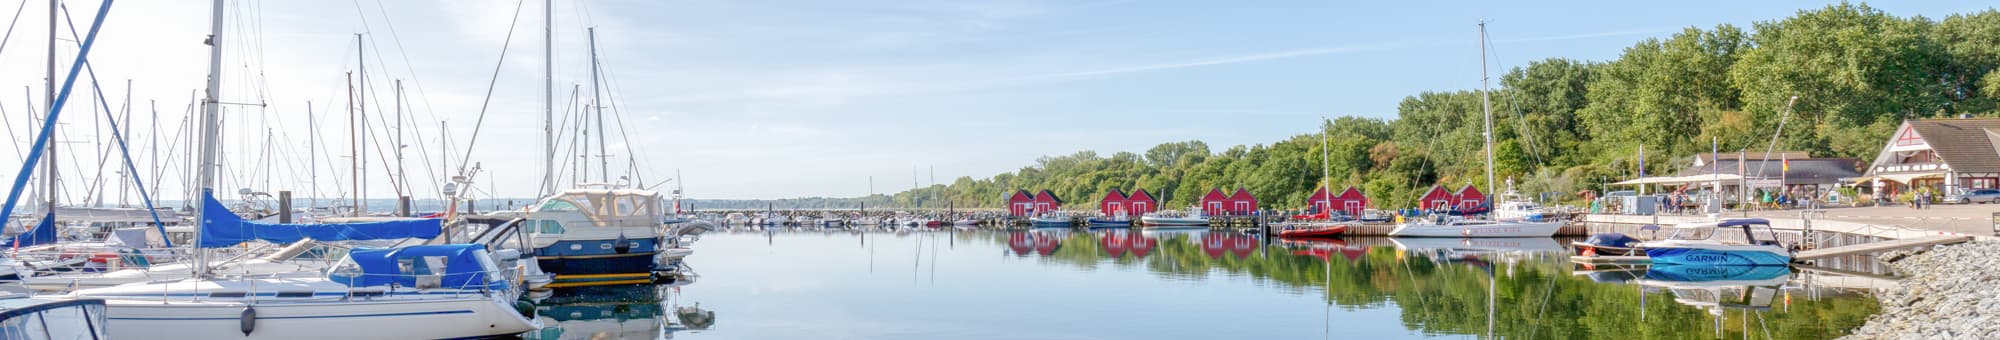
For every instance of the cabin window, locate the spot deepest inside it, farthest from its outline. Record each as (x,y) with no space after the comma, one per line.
(295,294)
(420,265)
(546,227)
(559,206)
(226,295)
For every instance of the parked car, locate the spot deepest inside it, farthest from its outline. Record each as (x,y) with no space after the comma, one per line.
(1976,196)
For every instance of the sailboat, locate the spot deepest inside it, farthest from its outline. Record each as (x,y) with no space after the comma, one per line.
(1445,226)
(427,291)
(1324,226)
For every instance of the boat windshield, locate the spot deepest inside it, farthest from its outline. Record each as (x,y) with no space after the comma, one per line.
(1693,233)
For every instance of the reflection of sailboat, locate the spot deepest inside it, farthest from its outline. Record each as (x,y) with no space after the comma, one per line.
(1532,244)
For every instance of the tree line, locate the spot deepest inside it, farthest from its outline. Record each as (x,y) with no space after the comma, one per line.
(1563,125)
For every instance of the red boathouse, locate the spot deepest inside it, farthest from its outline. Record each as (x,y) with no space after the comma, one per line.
(1113,203)
(1470,199)
(1140,202)
(1046,201)
(1019,202)
(1214,202)
(1242,203)
(1436,199)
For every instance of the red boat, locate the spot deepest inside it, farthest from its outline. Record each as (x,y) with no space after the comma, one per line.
(1314,231)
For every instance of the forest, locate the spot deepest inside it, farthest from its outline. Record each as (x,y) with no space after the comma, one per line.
(1562,126)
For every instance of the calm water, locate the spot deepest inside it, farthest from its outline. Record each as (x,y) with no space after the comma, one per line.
(1118,284)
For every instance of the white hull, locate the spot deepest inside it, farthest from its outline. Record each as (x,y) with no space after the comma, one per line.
(433,318)
(1173,222)
(1477,229)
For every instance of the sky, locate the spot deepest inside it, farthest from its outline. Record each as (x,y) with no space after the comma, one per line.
(767,99)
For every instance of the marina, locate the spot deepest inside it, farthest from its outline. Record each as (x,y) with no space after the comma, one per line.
(1757,174)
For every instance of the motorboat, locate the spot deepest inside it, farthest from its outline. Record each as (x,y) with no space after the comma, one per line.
(597,236)
(1376,216)
(1192,217)
(965,222)
(1450,226)
(1313,230)
(1715,244)
(1110,221)
(1607,244)
(1516,207)
(1050,221)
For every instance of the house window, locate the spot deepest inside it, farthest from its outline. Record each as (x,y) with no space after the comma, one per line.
(1982,183)
(1242,206)
(1925,156)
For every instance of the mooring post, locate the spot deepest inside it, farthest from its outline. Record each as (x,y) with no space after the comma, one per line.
(285,206)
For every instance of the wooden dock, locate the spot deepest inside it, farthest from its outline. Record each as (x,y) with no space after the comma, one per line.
(1874,247)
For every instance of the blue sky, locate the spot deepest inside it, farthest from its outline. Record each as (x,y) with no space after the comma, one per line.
(767,99)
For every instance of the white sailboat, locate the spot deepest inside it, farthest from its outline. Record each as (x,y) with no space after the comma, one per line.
(428,291)
(1445,226)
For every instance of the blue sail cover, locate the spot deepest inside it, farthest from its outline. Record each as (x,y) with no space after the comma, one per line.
(44,233)
(222,228)
(401,266)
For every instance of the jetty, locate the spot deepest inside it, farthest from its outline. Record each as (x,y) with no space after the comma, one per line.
(1875,247)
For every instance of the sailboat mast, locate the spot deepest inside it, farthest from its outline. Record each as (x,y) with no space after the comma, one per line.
(1486,105)
(548,97)
(361,107)
(353,150)
(597,104)
(1325,175)
(211,124)
(402,180)
(52,190)
(312,156)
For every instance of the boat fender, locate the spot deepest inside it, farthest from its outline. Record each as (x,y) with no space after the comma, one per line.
(622,246)
(249,320)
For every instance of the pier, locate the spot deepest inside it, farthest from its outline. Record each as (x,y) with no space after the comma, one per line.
(1886,245)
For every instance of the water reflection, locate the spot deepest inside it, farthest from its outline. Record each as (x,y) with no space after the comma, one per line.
(620,312)
(1149,284)
(1449,286)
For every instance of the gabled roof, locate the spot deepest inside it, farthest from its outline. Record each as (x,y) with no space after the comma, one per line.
(1214,193)
(1470,189)
(1115,194)
(1136,193)
(1049,194)
(1967,145)
(1436,189)
(1019,193)
(1242,194)
(1351,190)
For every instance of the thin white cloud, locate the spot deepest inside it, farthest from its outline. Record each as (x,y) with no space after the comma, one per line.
(1256,57)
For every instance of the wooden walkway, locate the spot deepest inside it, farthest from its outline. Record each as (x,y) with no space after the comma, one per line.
(1874,247)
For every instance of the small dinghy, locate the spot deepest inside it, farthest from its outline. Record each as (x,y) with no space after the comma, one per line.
(1313,230)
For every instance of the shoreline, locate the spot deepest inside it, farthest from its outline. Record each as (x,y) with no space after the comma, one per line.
(1946,293)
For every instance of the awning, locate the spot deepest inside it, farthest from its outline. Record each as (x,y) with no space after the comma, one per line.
(1905,178)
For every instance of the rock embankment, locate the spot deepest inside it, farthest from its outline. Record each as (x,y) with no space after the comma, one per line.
(1949,292)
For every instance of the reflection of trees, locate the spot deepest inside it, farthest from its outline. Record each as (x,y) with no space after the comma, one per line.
(1438,294)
